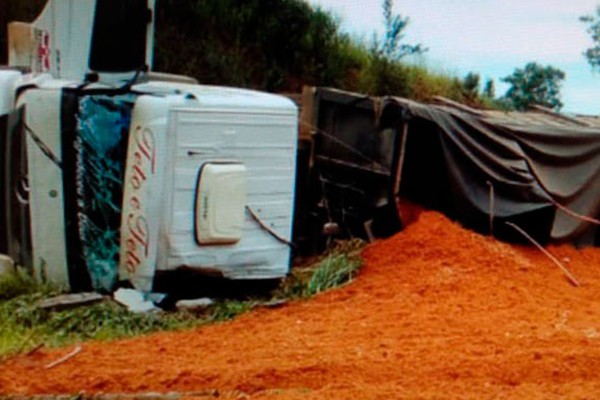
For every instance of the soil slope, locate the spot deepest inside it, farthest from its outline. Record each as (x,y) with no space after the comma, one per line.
(438,312)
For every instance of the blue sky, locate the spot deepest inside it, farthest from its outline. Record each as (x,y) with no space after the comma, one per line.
(491,37)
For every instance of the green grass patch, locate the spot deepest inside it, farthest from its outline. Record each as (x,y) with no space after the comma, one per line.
(338,267)
(20,283)
(24,326)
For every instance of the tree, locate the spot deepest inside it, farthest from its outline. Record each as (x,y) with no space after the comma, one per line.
(384,73)
(593,53)
(275,45)
(489,90)
(471,83)
(535,84)
(391,47)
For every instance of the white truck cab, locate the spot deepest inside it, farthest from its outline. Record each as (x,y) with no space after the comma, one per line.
(119,177)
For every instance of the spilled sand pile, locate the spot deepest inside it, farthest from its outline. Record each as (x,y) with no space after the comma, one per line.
(438,312)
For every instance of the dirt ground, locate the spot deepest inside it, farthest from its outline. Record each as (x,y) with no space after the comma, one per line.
(438,312)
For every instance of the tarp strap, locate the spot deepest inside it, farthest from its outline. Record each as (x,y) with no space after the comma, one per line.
(492,206)
(575,215)
(401,157)
(43,146)
(344,145)
(270,231)
(564,269)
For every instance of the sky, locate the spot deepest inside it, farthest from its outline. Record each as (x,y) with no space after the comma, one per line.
(490,37)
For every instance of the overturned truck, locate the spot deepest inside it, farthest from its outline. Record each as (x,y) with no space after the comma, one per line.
(111,172)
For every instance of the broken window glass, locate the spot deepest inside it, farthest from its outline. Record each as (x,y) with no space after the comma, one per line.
(101,147)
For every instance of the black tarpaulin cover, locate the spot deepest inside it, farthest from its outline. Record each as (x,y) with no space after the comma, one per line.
(533,165)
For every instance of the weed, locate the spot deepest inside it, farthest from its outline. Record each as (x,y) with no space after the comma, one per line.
(338,267)
(24,325)
(20,283)
(228,309)
(332,272)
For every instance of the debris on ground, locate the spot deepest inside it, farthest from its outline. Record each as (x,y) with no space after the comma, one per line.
(64,358)
(436,312)
(194,305)
(69,301)
(134,300)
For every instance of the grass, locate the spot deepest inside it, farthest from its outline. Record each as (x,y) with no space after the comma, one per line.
(338,267)
(20,283)
(24,326)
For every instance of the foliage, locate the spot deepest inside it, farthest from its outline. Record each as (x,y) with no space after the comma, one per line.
(19,283)
(383,73)
(592,54)
(471,85)
(489,90)
(23,325)
(382,77)
(273,45)
(391,48)
(424,84)
(338,267)
(535,84)
(226,310)
(332,272)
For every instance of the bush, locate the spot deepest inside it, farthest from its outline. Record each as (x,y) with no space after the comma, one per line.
(20,283)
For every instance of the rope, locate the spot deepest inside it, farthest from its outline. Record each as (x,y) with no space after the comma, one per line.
(575,215)
(61,360)
(492,207)
(43,146)
(344,145)
(564,269)
(270,231)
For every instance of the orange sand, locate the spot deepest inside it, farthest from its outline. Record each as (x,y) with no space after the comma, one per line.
(438,312)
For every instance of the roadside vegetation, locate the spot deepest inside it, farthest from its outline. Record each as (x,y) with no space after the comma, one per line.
(25,326)
(281,45)
(535,85)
